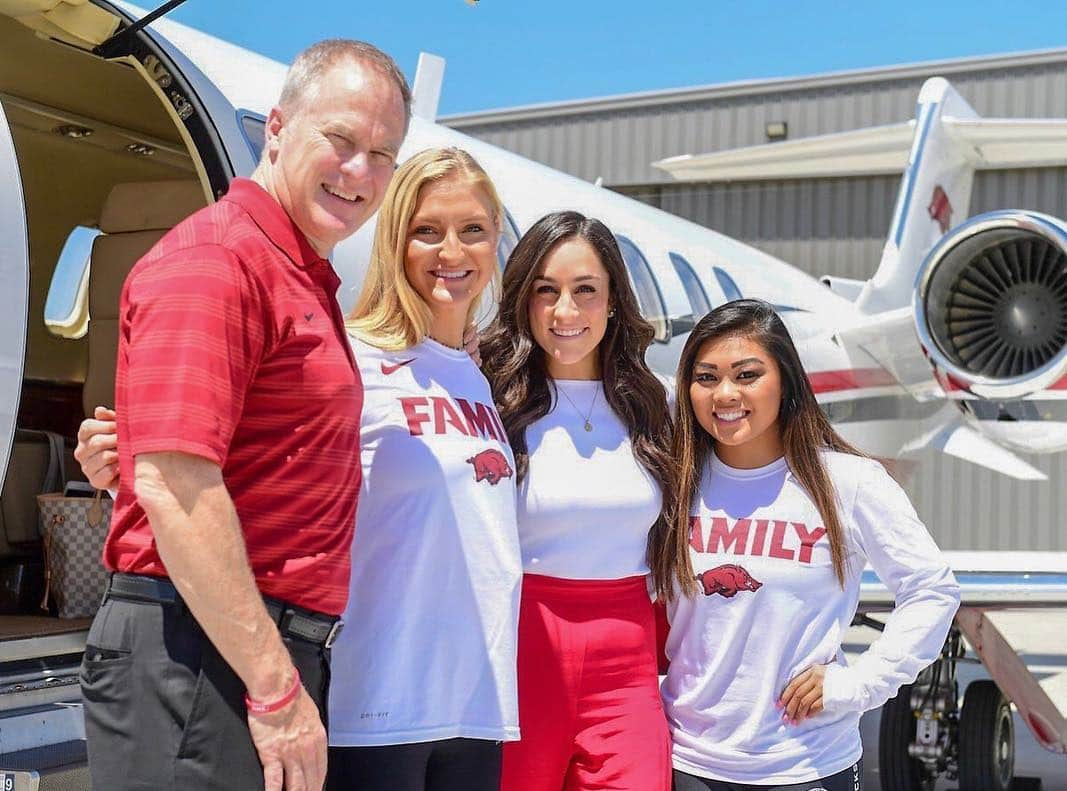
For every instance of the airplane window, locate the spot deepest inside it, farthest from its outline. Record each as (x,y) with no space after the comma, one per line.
(253,127)
(648,294)
(732,292)
(66,309)
(509,237)
(729,287)
(694,289)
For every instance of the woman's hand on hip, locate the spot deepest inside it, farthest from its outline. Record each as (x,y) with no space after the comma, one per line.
(802,697)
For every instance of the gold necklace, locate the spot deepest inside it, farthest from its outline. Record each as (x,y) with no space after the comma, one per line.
(588,426)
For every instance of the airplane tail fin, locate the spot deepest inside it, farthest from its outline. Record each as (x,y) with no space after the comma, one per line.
(934,195)
(426,92)
(949,142)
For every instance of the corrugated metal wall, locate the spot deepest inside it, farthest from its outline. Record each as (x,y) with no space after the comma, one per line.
(970,507)
(829,226)
(619,145)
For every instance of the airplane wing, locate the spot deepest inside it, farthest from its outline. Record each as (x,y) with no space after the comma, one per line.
(990,580)
(874,150)
(1012,142)
(990,143)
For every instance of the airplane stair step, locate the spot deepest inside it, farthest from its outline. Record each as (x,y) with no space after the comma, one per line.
(39,728)
(55,767)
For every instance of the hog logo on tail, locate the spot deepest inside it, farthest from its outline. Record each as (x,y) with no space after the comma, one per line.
(727,580)
(490,465)
(940,209)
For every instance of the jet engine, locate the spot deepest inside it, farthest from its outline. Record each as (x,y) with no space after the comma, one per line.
(990,305)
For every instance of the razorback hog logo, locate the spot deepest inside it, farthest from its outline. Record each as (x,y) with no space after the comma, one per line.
(727,580)
(490,465)
(940,209)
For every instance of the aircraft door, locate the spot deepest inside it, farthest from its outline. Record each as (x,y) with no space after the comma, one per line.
(15,275)
(211,124)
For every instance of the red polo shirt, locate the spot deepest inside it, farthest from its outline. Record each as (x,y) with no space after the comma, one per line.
(232,347)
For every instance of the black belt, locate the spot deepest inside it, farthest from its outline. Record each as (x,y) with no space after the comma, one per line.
(314,627)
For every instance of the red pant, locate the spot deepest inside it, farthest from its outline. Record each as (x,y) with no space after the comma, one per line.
(589,704)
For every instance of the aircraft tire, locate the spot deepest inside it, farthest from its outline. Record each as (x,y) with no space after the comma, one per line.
(897,770)
(986,739)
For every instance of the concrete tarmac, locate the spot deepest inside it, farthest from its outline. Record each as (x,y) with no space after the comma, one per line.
(1040,637)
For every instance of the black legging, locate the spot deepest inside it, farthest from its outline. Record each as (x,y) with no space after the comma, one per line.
(447,765)
(850,779)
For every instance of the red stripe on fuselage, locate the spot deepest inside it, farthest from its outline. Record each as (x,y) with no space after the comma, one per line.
(952,385)
(850,379)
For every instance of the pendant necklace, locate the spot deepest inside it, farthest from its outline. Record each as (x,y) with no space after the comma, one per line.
(587,426)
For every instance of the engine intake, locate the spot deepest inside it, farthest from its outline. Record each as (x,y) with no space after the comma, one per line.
(991,303)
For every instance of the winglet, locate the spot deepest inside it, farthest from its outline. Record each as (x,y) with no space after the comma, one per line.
(426,95)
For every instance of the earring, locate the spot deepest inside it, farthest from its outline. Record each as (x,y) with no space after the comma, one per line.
(611,313)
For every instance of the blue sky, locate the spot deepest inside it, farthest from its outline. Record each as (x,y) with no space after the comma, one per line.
(503,53)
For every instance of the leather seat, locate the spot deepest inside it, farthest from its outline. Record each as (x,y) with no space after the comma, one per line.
(135,216)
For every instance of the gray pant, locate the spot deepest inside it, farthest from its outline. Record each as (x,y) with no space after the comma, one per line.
(163,710)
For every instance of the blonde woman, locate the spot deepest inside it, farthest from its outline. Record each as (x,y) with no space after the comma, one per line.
(423,687)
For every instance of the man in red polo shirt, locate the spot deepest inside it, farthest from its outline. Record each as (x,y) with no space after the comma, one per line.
(239,408)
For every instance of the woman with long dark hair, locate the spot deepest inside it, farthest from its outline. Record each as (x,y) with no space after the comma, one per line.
(777,516)
(588,423)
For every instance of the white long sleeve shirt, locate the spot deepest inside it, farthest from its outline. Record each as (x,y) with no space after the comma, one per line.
(770,606)
(586,504)
(429,646)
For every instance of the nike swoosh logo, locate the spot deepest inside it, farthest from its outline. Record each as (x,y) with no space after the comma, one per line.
(390,369)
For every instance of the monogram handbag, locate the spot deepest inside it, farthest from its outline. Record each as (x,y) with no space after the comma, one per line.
(74,529)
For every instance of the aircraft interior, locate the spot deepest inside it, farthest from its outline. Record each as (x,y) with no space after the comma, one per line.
(107,152)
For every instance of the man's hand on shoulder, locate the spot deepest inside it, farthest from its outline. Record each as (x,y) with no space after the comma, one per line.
(97,450)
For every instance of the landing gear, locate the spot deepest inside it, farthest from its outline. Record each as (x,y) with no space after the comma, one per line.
(917,736)
(896,733)
(924,733)
(986,739)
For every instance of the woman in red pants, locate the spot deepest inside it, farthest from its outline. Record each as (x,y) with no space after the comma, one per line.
(589,426)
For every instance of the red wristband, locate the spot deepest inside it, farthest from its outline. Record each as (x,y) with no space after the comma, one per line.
(256,707)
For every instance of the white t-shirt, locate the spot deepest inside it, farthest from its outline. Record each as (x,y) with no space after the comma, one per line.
(770,607)
(429,646)
(586,504)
